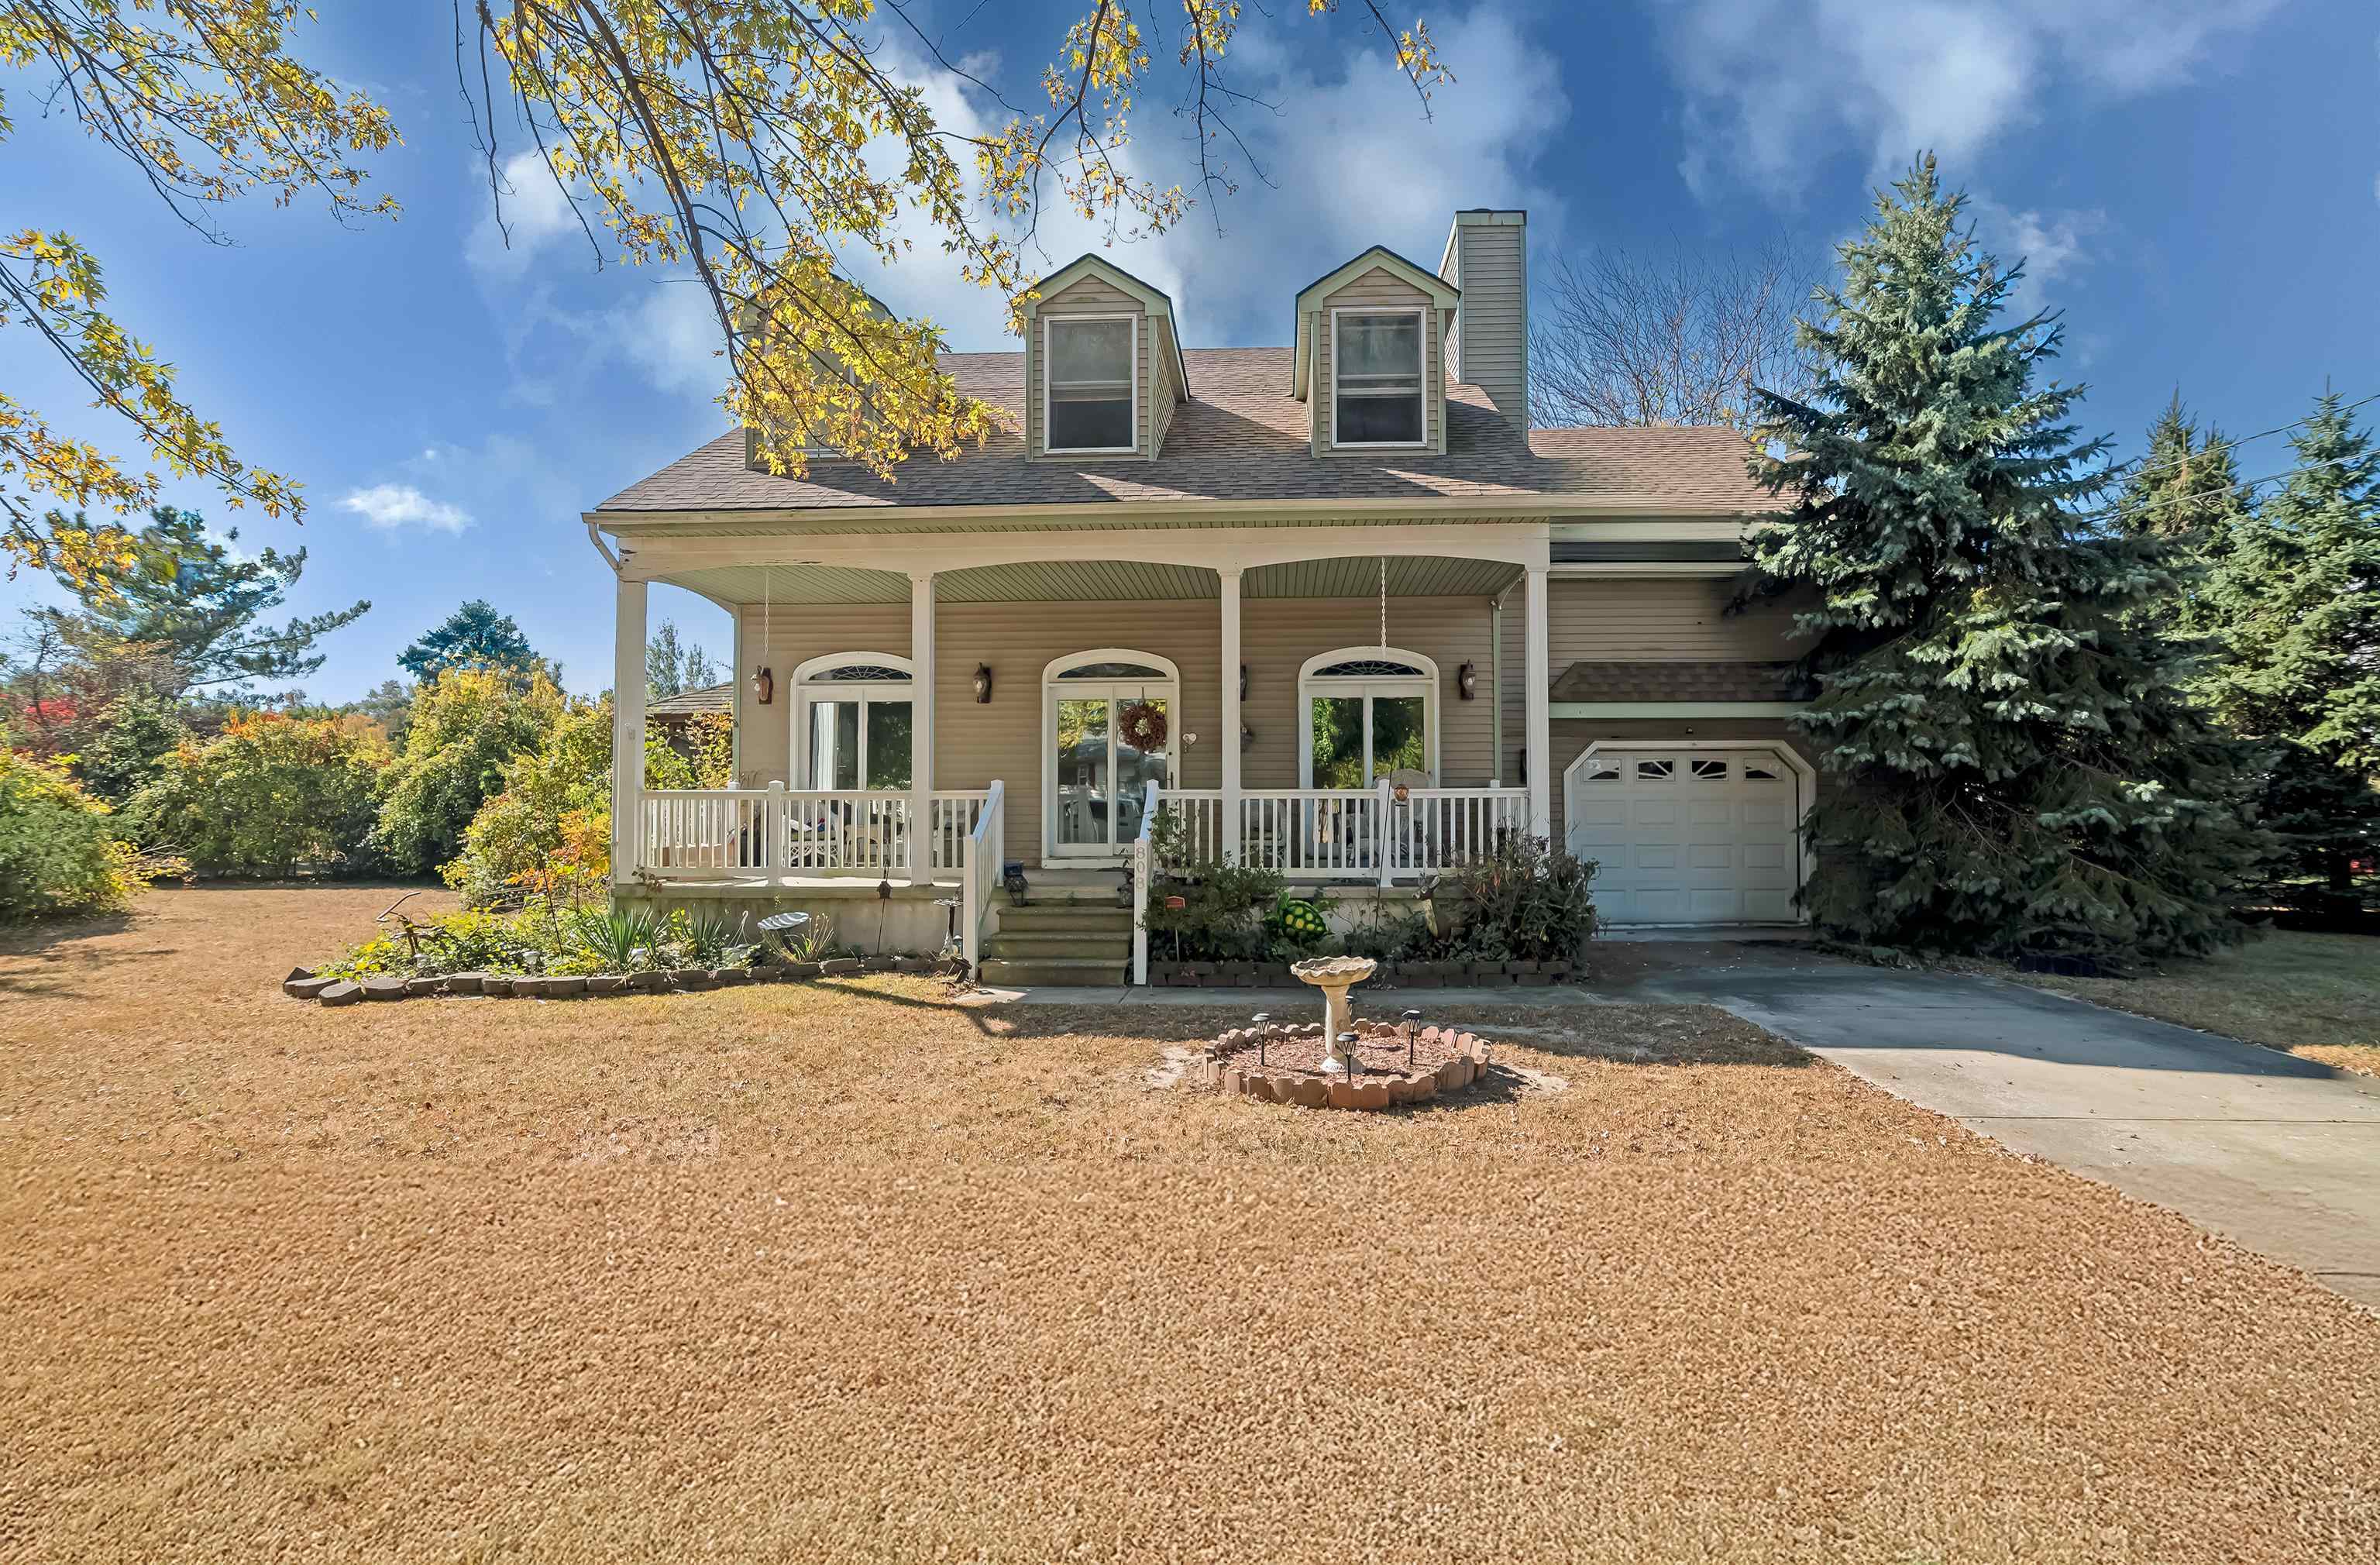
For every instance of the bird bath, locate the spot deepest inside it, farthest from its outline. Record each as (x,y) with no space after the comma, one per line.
(1334,976)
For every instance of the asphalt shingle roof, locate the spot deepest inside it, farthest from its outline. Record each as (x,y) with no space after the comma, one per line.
(1242,437)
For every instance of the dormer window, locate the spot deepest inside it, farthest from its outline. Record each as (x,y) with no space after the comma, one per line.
(1376,378)
(1091,401)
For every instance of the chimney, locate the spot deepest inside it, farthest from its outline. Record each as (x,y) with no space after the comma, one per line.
(1488,258)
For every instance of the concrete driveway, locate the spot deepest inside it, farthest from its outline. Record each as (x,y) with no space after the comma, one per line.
(2279,1153)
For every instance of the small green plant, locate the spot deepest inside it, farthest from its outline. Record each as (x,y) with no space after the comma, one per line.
(1223,906)
(814,942)
(621,940)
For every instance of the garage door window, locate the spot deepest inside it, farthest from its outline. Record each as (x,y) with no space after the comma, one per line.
(1655,770)
(1756,771)
(1710,771)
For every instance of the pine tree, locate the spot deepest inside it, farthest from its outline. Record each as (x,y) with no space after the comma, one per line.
(2012,767)
(188,599)
(2186,486)
(473,637)
(2295,593)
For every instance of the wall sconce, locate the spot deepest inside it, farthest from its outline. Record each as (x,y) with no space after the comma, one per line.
(1247,737)
(1466,681)
(1244,682)
(764,686)
(983,685)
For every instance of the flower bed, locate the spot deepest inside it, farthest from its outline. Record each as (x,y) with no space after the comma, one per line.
(332,989)
(1283,1064)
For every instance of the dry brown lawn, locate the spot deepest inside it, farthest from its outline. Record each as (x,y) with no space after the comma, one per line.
(2313,994)
(851,1273)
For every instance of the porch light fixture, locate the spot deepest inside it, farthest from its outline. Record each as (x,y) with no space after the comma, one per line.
(1466,681)
(1247,737)
(764,686)
(983,685)
(1244,682)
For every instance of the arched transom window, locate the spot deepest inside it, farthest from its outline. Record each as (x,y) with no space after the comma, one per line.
(851,721)
(1368,712)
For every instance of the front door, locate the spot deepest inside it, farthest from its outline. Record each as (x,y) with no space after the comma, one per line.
(1111,726)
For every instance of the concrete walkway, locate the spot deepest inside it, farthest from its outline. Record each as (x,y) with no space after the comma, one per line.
(2279,1153)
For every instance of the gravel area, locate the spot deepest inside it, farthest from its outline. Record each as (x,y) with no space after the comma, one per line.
(1374,1056)
(845,1273)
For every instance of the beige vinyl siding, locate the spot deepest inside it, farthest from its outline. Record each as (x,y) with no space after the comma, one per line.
(1378,289)
(1634,619)
(1492,322)
(1165,387)
(1003,739)
(1089,296)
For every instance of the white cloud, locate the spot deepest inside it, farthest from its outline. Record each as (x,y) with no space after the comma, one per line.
(536,214)
(391,506)
(2053,245)
(674,337)
(1894,75)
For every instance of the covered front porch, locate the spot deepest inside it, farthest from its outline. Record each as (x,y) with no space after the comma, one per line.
(1341,705)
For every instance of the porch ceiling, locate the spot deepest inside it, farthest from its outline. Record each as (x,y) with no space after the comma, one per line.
(1101,581)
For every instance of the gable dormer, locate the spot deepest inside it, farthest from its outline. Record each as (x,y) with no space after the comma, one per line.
(1371,356)
(1103,368)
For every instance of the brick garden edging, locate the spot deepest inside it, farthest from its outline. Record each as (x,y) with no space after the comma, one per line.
(1310,1089)
(303,984)
(1396,975)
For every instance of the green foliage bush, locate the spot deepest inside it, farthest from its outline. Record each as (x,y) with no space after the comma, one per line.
(61,851)
(1225,908)
(467,726)
(272,795)
(555,802)
(1522,900)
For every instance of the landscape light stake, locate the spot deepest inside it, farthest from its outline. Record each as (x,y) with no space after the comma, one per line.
(1413,1025)
(1264,1026)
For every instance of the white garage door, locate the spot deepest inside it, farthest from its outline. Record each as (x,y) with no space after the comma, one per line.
(1687,836)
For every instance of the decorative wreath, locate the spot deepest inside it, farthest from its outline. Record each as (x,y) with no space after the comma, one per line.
(1142,725)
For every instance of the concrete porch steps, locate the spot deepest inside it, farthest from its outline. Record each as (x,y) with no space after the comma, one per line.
(1059,939)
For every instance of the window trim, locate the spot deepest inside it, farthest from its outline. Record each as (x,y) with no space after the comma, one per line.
(1132,364)
(1421,313)
(1312,683)
(807,686)
(1166,687)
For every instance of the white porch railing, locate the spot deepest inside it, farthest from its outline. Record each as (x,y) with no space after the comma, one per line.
(1347,833)
(711,833)
(980,861)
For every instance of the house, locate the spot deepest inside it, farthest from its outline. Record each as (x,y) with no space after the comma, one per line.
(674,715)
(1335,603)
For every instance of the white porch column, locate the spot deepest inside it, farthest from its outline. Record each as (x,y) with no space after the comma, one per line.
(627,730)
(921,729)
(1536,732)
(1229,577)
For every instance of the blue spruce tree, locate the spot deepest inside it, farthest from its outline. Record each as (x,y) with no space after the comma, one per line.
(2011,765)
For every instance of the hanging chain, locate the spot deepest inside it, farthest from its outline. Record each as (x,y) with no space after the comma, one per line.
(1384,600)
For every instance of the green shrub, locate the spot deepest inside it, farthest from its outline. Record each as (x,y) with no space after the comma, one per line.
(273,795)
(61,850)
(1524,900)
(467,727)
(1226,908)
(547,831)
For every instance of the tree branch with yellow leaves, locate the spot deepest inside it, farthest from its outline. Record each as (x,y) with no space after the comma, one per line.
(205,101)
(761,142)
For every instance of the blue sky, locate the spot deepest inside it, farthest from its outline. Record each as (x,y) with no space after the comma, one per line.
(2196,184)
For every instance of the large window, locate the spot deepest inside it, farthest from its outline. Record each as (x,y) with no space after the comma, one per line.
(1371,712)
(1376,385)
(851,716)
(1090,403)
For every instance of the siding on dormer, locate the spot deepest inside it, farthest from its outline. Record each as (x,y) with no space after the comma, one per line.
(1380,288)
(1091,295)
